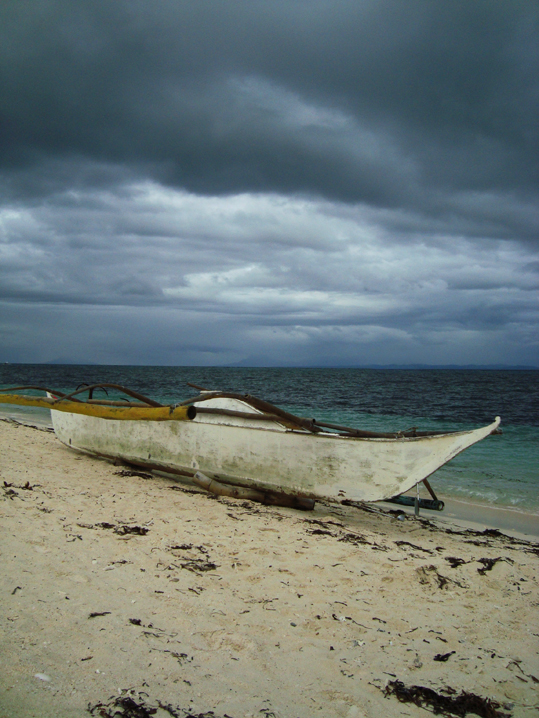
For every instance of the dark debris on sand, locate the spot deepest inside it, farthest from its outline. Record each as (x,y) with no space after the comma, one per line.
(446,705)
(129,707)
(489,563)
(120,529)
(133,472)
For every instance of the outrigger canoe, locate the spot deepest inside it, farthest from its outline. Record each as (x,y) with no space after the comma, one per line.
(242,441)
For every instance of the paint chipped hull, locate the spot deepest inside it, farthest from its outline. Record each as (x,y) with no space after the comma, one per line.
(267,455)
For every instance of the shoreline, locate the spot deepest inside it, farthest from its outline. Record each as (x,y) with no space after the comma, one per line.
(514,522)
(466,514)
(122,590)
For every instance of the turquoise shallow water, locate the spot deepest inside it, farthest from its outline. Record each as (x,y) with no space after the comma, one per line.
(501,470)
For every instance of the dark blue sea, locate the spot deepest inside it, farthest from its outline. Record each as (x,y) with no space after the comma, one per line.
(501,470)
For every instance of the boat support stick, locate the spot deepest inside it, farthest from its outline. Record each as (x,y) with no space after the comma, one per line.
(263,497)
(430,489)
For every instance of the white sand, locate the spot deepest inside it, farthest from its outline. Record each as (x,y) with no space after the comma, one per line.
(304,614)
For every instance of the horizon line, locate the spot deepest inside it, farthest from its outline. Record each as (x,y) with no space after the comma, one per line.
(411,366)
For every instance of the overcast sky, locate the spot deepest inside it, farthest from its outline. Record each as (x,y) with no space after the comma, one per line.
(267,182)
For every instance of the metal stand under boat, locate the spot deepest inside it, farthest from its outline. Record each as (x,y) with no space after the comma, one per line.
(433,504)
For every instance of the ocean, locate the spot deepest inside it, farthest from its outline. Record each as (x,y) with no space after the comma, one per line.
(500,471)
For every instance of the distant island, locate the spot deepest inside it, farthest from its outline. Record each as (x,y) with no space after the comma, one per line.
(512,367)
(254,365)
(505,367)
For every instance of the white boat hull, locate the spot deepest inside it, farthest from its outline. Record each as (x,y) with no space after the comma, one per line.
(268,456)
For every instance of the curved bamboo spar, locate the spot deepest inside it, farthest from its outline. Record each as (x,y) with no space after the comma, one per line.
(131,413)
(55,392)
(124,389)
(263,406)
(61,396)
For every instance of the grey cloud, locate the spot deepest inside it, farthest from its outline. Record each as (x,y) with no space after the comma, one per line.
(382,102)
(48,333)
(275,182)
(347,288)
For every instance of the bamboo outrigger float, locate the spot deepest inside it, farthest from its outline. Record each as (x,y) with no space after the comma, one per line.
(240,441)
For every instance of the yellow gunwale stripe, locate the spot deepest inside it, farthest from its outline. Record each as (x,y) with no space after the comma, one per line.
(133,413)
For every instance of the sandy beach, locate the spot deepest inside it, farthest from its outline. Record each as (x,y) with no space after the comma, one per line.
(125,593)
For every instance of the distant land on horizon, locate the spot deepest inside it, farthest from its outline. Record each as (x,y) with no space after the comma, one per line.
(498,367)
(512,367)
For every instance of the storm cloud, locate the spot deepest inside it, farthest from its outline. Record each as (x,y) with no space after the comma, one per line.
(269,182)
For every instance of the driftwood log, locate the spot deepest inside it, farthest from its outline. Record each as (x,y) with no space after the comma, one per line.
(263,497)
